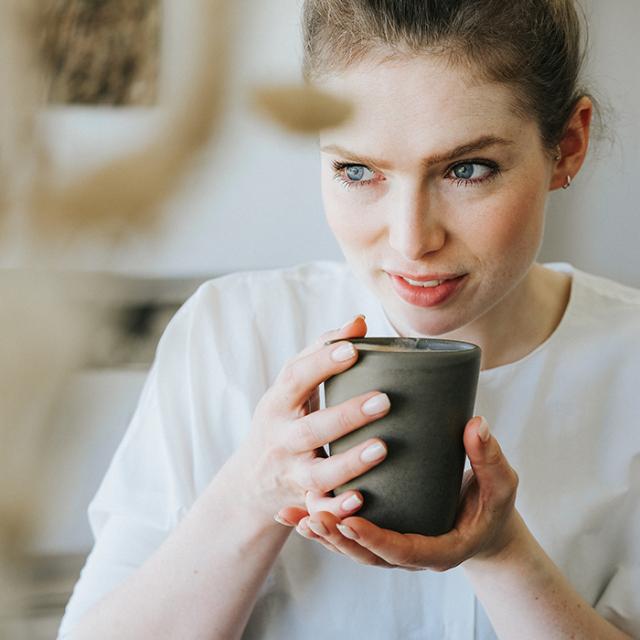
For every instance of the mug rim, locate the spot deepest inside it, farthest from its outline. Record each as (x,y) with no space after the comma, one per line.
(411,344)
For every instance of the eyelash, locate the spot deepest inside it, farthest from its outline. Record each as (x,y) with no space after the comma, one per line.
(339,169)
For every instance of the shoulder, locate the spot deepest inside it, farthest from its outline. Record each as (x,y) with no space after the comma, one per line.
(603,326)
(302,292)
(607,303)
(617,292)
(286,280)
(271,313)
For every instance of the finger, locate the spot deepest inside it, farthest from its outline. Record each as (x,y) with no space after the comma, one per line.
(345,504)
(290,516)
(325,474)
(301,375)
(299,378)
(325,525)
(496,478)
(305,531)
(354,328)
(316,429)
(406,549)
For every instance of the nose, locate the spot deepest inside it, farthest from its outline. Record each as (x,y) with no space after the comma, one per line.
(414,226)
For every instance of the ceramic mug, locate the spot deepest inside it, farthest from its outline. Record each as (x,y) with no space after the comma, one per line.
(431,384)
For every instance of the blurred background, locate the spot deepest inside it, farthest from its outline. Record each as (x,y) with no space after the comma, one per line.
(251,201)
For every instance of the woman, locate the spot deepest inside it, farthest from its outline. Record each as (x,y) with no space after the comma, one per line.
(467,114)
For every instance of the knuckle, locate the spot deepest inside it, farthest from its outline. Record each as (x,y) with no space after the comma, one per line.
(314,478)
(289,375)
(515,479)
(348,465)
(289,446)
(346,421)
(505,494)
(307,436)
(495,457)
(327,335)
(292,383)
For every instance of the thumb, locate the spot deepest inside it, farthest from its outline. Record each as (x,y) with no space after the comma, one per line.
(492,470)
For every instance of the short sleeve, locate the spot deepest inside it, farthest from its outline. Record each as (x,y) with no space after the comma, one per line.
(149,484)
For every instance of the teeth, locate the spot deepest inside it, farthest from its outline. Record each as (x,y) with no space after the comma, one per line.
(430,283)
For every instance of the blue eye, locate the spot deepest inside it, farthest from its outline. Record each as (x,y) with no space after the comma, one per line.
(472,171)
(353,175)
(356,172)
(464,171)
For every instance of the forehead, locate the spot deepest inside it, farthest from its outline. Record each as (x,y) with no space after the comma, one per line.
(422,100)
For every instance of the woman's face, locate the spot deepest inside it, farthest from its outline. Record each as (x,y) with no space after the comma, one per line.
(435,175)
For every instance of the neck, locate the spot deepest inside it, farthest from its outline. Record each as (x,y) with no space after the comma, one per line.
(522,321)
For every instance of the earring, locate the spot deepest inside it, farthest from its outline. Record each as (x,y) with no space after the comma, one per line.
(567,184)
(558,154)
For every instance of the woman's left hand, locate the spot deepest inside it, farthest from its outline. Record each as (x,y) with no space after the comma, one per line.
(486,523)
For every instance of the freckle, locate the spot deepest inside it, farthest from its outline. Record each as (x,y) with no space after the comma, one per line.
(195,572)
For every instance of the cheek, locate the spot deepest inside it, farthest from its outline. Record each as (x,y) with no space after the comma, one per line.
(513,225)
(352,223)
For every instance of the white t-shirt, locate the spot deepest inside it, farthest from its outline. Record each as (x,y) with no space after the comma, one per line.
(567,416)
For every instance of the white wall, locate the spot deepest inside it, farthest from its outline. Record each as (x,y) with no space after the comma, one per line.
(254,200)
(596,223)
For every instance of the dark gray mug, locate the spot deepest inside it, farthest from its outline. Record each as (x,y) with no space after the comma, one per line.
(431,384)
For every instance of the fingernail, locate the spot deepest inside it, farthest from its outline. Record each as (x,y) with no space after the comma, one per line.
(347,532)
(376,404)
(483,430)
(343,352)
(280,520)
(351,503)
(318,528)
(373,452)
(348,324)
(301,526)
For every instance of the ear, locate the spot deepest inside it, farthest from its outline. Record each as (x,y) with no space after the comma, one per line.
(574,144)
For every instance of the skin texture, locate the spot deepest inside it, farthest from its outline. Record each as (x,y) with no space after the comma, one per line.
(420,220)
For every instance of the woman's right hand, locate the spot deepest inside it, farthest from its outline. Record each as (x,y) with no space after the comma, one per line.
(283,453)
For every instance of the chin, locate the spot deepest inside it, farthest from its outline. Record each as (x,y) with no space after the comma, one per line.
(422,324)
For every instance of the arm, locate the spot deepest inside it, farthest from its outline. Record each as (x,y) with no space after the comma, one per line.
(523,591)
(526,596)
(204,579)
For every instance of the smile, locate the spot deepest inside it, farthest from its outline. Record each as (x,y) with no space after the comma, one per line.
(417,283)
(429,293)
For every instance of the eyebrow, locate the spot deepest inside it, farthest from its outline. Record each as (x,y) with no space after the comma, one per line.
(461,150)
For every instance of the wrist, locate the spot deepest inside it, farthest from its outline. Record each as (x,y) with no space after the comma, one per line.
(243,484)
(510,543)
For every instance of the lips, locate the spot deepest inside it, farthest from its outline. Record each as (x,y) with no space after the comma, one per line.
(427,278)
(427,296)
